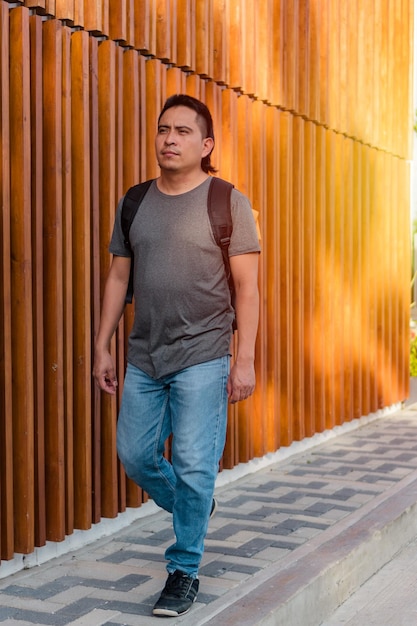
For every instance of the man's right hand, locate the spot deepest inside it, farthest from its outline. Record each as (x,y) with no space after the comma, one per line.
(104,372)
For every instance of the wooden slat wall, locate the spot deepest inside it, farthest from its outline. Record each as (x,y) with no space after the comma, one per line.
(312,106)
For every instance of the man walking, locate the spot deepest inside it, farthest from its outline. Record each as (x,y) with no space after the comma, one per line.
(178,378)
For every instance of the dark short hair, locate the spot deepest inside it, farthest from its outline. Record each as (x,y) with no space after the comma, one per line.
(205,121)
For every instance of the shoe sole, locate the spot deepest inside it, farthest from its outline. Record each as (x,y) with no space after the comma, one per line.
(170,613)
(214,509)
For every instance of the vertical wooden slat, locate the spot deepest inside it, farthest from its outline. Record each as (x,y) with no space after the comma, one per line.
(220,26)
(303,39)
(145,26)
(37,278)
(185,32)
(81,242)
(67,258)
(106,110)
(21,283)
(163,30)
(290,55)
(98,272)
(259,434)
(271,286)
(309,273)
(285,262)
(154,101)
(53,276)
(117,20)
(297,276)
(64,10)
(319,328)
(6,416)
(313,61)
(203,38)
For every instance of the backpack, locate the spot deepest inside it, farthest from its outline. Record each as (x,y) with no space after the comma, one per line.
(219,211)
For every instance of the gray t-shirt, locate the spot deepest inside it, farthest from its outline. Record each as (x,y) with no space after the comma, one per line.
(183,314)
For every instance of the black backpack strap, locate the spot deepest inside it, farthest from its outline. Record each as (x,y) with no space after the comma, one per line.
(220,215)
(131,202)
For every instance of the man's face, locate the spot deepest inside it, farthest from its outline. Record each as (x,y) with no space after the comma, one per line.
(179,142)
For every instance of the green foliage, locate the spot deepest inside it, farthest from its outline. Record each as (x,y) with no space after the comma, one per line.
(413,357)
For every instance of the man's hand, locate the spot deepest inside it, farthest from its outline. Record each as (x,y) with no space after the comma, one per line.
(241,381)
(104,372)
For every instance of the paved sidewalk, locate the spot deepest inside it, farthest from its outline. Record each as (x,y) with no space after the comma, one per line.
(287,546)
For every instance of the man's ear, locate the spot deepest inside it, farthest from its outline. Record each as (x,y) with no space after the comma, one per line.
(208,145)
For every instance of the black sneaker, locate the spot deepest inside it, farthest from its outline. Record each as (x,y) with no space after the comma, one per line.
(177,596)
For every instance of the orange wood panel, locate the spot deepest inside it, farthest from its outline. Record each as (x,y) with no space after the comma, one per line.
(263,26)
(309,274)
(6,415)
(334,65)
(36,120)
(119,191)
(323,78)
(319,324)
(186,33)
(21,284)
(228,131)
(259,400)
(358,248)
(106,111)
(117,20)
(363,204)
(220,51)
(81,273)
(270,252)
(98,273)
(313,61)
(290,55)
(36,4)
(65,9)
(145,26)
(154,102)
(285,285)
(344,62)
(53,276)
(303,41)
(175,81)
(297,232)
(163,30)
(213,99)
(329,281)
(96,17)
(204,38)
(236,46)
(67,257)
(349,300)
(249,54)
(277,54)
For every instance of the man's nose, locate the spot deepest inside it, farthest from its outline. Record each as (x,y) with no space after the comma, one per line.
(170,137)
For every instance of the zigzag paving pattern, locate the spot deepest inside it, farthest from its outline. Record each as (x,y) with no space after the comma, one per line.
(261,518)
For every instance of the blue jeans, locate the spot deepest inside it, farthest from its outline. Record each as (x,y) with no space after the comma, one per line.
(192,405)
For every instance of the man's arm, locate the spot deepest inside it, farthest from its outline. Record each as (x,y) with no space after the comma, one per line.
(112,309)
(244,268)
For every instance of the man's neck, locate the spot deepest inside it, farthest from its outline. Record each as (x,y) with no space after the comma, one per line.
(174,183)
